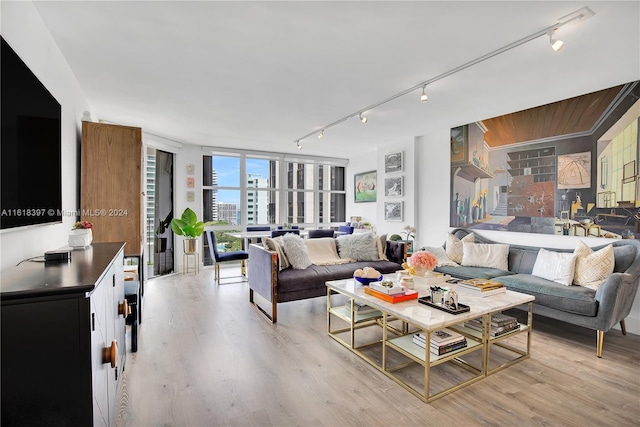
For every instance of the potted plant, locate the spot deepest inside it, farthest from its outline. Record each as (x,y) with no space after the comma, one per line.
(189,227)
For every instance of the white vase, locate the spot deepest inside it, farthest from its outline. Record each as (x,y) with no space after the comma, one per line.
(80,237)
(422,271)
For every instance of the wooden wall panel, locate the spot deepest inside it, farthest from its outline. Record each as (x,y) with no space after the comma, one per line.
(111,183)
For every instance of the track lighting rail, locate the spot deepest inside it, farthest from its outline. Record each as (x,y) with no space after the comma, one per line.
(580,14)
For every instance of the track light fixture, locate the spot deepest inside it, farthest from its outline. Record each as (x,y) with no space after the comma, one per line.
(424,97)
(298,145)
(321,134)
(555,43)
(576,16)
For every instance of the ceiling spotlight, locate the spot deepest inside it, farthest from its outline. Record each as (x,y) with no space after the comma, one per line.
(424,97)
(321,134)
(363,119)
(298,145)
(555,43)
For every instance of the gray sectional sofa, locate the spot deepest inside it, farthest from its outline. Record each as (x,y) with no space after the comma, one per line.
(291,284)
(599,310)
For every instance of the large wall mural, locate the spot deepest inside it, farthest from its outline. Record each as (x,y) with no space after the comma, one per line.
(562,168)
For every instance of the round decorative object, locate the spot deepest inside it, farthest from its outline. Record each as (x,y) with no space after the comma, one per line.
(367,280)
(80,237)
(586,221)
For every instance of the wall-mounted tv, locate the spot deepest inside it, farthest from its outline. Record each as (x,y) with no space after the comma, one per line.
(31,186)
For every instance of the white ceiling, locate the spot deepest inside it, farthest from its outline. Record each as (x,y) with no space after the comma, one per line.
(259,75)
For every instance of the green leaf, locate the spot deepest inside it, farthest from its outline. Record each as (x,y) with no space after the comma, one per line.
(188,225)
(189,217)
(177,225)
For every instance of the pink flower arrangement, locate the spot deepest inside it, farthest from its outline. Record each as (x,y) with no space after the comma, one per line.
(422,259)
(82,225)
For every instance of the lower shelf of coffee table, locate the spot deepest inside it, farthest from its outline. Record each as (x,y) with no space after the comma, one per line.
(406,343)
(344,312)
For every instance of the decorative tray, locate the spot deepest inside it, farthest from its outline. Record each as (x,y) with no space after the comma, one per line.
(462,308)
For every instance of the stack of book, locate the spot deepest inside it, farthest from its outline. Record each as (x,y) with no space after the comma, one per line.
(359,307)
(500,324)
(407,295)
(481,287)
(442,341)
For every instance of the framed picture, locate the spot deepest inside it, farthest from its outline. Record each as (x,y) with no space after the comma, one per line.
(393,187)
(393,211)
(365,186)
(574,170)
(409,245)
(393,162)
(191,182)
(191,169)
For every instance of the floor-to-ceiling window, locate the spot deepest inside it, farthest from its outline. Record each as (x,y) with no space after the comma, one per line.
(265,189)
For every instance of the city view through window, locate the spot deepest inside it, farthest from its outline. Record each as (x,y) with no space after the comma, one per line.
(241,191)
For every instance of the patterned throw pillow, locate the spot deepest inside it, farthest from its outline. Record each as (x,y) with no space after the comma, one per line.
(454,246)
(296,251)
(558,267)
(592,268)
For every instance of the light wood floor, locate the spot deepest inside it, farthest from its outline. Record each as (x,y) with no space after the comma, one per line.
(207,358)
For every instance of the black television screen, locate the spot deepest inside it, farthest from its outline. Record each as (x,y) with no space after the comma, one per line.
(31,187)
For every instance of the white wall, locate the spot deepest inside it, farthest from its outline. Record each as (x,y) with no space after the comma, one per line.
(25,32)
(188,154)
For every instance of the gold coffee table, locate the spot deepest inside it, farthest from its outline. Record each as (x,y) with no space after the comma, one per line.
(396,323)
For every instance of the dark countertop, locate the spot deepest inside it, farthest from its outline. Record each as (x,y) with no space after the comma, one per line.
(33,279)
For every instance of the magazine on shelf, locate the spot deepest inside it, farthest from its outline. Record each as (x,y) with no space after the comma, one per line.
(500,319)
(495,330)
(420,340)
(440,350)
(442,336)
(359,308)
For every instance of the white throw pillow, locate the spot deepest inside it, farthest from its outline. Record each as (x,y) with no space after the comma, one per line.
(296,251)
(275,244)
(454,246)
(441,256)
(490,255)
(555,266)
(358,247)
(592,268)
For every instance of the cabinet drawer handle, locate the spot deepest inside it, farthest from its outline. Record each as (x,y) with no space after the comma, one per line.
(124,309)
(110,354)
